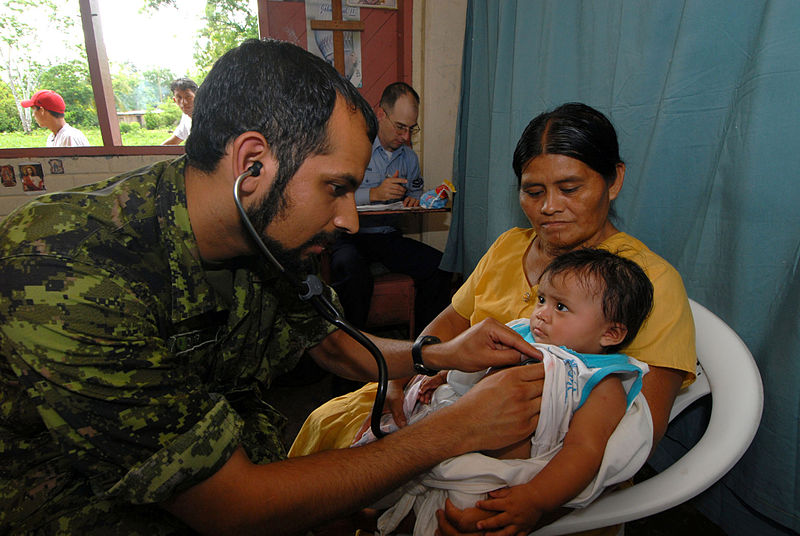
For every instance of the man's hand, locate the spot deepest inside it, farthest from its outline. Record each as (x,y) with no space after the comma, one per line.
(410,202)
(486,344)
(390,189)
(488,420)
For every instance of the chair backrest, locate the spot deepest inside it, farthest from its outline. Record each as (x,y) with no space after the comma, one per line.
(728,371)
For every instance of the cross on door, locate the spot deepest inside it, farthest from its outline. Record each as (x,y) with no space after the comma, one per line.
(338,26)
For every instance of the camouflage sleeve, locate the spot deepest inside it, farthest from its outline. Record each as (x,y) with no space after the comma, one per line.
(126,411)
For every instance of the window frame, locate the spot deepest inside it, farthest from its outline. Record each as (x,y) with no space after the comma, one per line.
(104,98)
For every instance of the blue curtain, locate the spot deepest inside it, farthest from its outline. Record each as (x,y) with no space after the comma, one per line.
(705,96)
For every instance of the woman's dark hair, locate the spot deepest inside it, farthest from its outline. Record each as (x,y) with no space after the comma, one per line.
(575,130)
(627,291)
(275,88)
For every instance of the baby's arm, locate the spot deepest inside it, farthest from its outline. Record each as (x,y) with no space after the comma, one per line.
(570,471)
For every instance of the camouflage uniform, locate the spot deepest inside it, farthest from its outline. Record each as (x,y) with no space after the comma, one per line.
(129,369)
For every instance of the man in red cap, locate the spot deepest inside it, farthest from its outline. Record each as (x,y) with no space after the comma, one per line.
(48,110)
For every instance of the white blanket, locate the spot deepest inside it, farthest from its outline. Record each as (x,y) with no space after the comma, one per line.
(468,478)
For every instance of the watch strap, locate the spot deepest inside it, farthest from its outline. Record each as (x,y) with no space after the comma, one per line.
(416,354)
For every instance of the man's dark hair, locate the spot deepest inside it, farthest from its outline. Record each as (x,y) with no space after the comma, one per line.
(394,91)
(627,291)
(575,130)
(57,115)
(183,84)
(275,88)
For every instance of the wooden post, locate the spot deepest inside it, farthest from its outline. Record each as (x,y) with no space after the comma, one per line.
(338,26)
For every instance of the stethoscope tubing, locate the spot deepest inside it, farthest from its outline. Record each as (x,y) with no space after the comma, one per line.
(310,289)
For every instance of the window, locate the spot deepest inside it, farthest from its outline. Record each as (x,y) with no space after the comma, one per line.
(130,52)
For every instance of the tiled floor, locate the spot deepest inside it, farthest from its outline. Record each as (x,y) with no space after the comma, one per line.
(299,397)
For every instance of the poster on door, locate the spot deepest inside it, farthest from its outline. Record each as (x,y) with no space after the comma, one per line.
(320,42)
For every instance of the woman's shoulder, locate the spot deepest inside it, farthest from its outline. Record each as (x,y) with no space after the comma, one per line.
(514,237)
(634,249)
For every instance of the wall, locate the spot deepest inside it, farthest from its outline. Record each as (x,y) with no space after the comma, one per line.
(77,170)
(438,44)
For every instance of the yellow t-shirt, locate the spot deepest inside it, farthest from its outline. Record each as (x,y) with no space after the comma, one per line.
(498,288)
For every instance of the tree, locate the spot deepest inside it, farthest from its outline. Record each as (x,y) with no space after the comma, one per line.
(228,23)
(27,28)
(125,80)
(9,117)
(160,79)
(71,80)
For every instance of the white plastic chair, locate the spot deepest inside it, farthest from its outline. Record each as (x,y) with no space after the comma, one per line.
(728,372)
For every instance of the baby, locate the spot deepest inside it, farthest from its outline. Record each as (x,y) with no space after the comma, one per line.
(590,304)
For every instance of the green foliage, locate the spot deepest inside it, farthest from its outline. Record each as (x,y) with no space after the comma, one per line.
(229,23)
(37,138)
(125,80)
(9,116)
(71,81)
(152,119)
(126,128)
(171,114)
(160,79)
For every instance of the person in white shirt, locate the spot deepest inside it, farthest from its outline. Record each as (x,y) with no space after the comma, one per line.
(183,90)
(48,111)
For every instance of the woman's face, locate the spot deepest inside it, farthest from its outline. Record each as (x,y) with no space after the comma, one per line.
(567,202)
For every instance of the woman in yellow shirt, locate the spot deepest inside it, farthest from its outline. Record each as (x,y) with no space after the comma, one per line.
(569,171)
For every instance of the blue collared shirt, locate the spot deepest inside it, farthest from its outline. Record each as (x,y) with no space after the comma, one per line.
(382,164)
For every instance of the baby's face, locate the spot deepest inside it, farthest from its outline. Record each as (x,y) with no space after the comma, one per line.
(569,312)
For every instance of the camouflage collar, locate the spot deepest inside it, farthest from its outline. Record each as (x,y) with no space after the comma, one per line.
(191,293)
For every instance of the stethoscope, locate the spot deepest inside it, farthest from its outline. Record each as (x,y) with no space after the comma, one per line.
(310,289)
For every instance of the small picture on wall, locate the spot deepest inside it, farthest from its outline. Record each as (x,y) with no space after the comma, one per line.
(56,166)
(32,177)
(7,174)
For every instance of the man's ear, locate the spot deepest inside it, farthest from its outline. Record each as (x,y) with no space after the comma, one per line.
(613,335)
(248,148)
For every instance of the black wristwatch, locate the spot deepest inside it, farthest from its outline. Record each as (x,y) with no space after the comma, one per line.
(416,354)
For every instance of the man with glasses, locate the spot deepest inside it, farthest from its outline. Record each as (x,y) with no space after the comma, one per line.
(392,175)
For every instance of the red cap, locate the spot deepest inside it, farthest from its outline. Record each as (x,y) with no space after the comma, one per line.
(49,100)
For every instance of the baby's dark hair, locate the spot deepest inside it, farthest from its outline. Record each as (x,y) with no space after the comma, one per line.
(627,291)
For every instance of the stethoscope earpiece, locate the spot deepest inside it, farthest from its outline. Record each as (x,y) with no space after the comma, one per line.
(255,169)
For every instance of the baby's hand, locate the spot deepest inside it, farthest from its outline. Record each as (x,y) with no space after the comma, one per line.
(429,384)
(515,513)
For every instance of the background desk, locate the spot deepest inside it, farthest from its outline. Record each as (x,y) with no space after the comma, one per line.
(411,210)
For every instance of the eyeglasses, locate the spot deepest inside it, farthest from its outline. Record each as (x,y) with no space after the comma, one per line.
(400,127)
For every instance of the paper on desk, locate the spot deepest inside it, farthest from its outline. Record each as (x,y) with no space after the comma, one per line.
(397,205)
